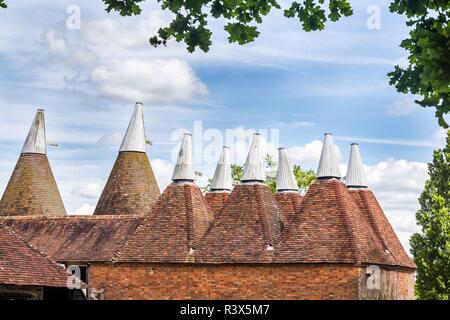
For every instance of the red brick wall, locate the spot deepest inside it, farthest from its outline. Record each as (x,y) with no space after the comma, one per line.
(395,285)
(166,281)
(201,282)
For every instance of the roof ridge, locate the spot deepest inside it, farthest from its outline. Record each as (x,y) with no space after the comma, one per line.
(125,246)
(33,248)
(349,224)
(395,255)
(263,214)
(371,221)
(189,215)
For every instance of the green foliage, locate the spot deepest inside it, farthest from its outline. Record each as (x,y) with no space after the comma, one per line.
(431,247)
(236,173)
(428,45)
(3,4)
(242,17)
(304,177)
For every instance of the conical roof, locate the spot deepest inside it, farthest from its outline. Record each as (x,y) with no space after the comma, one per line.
(36,141)
(246,229)
(184,168)
(172,230)
(329,228)
(131,187)
(328,164)
(222,180)
(32,188)
(356,175)
(134,139)
(254,166)
(285,176)
(371,210)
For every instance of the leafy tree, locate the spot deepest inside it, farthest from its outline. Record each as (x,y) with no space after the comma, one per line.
(237,172)
(428,45)
(3,4)
(190,22)
(431,247)
(304,177)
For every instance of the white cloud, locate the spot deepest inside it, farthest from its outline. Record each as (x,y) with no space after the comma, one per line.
(440,136)
(397,185)
(402,107)
(91,190)
(109,32)
(85,209)
(163,171)
(309,155)
(156,80)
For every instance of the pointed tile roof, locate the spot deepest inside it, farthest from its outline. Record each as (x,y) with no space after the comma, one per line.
(246,229)
(217,200)
(371,210)
(222,180)
(74,239)
(254,166)
(356,175)
(134,139)
(329,228)
(373,213)
(131,187)
(32,188)
(172,230)
(328,164)
(184,168)
(23,265)
(285,176)
(289,202)
(36,141)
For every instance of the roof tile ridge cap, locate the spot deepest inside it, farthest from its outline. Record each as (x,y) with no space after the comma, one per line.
(296,217)
(214,222)
(393,231)
(208,209)
(187,193)
(374,224)
(116,257)
(349,225)
(263,214)
(32,247)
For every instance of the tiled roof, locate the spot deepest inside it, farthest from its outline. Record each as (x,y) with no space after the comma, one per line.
(216,201)
(329,228)
(242,233)
(23,265)
(289,203)
(131,187)
(76,238)
(174,227)
(370,207)
(32,189)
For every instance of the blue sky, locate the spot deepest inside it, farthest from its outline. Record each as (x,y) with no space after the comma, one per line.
(304,84)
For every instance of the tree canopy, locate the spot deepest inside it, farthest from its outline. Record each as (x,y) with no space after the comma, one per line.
(2,4)
(431,247)
(190,22)
(428,45)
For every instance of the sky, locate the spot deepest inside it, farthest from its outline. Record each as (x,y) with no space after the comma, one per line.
(87,68)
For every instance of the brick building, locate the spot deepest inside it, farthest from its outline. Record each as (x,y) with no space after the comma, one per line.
(233,243)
